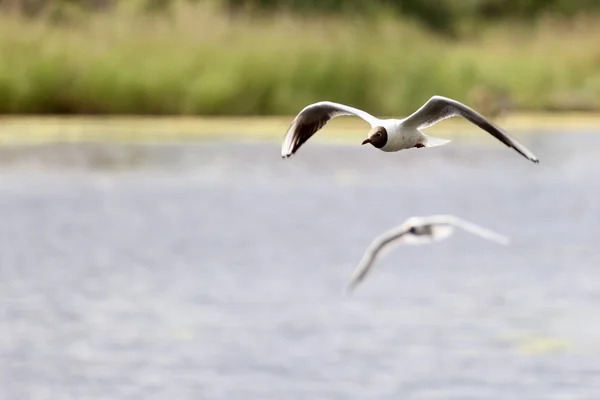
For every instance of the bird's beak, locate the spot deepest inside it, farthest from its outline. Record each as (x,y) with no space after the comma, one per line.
(367,140)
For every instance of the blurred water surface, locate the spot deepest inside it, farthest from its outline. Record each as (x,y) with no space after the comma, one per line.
(218,271)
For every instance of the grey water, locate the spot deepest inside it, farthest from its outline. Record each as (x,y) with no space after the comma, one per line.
(217,271)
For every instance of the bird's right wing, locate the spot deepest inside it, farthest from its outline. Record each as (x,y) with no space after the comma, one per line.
(314,117)
(380,245)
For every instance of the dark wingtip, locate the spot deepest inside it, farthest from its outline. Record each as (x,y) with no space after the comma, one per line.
(531,157)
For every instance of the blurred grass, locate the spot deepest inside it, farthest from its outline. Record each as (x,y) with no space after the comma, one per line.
(32,130)
(196,59)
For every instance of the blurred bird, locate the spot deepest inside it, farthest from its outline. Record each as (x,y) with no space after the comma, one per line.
(394,134)
(417,230)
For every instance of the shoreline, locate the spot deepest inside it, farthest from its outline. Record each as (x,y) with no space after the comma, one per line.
(37,129)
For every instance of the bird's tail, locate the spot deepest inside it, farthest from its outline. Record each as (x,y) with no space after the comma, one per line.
(431,141)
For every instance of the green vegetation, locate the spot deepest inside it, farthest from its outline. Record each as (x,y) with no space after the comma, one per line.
(445,16)
(202,59)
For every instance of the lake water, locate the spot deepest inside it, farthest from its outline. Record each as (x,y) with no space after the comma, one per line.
(217,271)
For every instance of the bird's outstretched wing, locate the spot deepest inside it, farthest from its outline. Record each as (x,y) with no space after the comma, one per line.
(417,230)
(314,117)
(439,108)
(467,226)
(385,241)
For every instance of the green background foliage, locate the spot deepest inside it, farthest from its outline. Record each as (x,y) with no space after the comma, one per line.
(257,57)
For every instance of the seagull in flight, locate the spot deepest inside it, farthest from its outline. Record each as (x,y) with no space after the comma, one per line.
(417,230)
(394,134)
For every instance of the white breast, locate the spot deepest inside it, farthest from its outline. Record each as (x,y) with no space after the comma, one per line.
(400,137)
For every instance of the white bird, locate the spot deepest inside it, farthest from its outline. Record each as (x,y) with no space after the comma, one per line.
(393,134)
(417,230)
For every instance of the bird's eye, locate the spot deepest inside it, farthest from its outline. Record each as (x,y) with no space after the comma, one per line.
(413,230)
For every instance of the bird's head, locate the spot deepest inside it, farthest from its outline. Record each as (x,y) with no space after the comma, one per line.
(377,137)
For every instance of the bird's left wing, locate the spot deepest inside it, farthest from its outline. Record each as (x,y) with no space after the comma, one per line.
(469,227)
(439,108)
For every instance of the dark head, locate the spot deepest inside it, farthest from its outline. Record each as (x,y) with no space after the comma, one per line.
(421,230)
(377,137)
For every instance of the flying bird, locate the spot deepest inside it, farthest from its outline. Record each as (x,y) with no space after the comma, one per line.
(417,230)
(394,134)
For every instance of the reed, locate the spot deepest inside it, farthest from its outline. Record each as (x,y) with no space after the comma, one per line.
(197,59)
